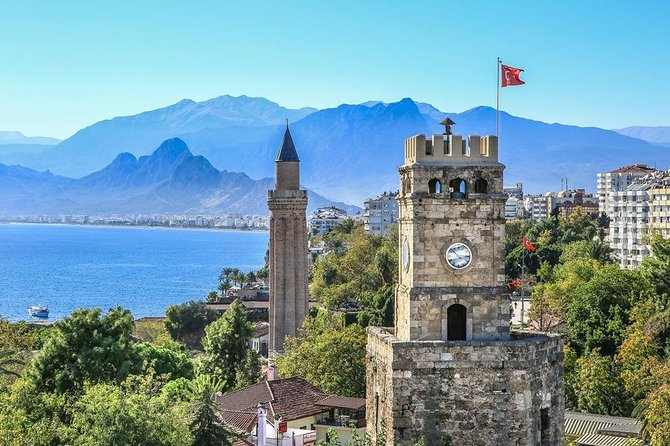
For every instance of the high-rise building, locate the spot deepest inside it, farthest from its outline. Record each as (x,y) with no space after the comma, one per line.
(452,371)
(288,247)
(642,207)
(380,213)
(618,180)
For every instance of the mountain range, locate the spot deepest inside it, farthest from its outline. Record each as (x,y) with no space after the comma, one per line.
(170,180)
(352,151)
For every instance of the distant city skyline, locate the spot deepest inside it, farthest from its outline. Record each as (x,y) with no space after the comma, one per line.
(68,65)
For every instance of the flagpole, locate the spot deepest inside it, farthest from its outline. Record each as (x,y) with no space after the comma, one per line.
(523,271)
(498,101)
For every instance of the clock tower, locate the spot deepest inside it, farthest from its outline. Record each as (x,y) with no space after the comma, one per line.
(452,234)
(452,371)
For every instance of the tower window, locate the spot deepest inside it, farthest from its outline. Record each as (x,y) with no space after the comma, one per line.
(456,322)
(434,186)
(481,186)
(458,188)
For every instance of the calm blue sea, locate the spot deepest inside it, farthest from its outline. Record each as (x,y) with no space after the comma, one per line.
(142,269)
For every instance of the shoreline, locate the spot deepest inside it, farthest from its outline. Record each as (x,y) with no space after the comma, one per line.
(185,228)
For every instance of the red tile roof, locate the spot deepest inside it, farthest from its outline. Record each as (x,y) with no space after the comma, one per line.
(342,402)
(635,168)
(290,398)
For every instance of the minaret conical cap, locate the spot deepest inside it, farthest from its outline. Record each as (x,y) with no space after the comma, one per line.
(287,150)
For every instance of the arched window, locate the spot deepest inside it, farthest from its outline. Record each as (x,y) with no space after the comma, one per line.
(481,186)
(434,186)
(458,188)
(456,322)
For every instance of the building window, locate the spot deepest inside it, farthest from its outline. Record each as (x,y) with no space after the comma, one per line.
(434,186)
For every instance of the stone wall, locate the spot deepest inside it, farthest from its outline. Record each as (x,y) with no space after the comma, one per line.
(466,393)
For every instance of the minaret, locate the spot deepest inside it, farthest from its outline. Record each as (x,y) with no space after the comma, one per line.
(288,247)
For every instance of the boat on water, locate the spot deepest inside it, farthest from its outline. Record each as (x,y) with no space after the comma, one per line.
(38,311)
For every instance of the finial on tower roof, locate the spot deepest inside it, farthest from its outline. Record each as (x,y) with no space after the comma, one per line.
(287,150)
(447,123)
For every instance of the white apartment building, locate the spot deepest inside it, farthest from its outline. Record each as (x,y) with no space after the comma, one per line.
(324,219)
(618,180)
(643,206)
(536,206)
(380,213)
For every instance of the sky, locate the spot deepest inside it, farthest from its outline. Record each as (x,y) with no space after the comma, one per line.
(68,64)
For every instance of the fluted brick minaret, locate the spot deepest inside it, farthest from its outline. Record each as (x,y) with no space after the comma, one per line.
(288,247)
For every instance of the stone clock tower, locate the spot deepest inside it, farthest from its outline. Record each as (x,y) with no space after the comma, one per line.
(451,370)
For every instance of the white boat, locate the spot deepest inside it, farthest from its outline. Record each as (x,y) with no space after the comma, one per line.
(38,311)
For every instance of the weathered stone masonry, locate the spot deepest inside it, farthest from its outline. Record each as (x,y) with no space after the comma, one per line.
(452,371)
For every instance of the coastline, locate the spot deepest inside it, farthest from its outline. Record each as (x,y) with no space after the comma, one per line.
(185,228)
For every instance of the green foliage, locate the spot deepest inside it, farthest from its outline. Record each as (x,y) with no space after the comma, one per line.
(205,425)
(226,343)
(163,360)
(656,268)
(17,336)
(360,272)
(186,322)
(177,390)
(154,331)
(85,347)
(133,414)
(599,387)
(328,355)
(599,311)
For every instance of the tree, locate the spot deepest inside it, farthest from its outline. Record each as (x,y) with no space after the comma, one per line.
(8,361)
(132,414)
(328,355)
(656,267)
(599,387)
(186,322)
(85,347)
(165,361)
(599,312)
(205,426)
(226,345)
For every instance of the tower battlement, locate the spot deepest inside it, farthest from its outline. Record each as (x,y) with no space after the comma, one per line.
(451,149)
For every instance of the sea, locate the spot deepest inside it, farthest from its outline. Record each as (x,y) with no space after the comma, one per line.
(144,270)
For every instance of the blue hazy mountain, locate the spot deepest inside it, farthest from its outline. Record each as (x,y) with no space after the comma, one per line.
(352,151)
(95,146)
(655,135)
(170,180)
(13,137)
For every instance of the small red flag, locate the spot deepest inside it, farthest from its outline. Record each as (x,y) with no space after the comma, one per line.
(515,284)
(510,76)
(527,244)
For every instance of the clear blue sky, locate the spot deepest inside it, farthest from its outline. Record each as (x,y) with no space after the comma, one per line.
(69,64)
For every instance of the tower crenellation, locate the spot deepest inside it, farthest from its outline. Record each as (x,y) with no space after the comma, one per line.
(451,148)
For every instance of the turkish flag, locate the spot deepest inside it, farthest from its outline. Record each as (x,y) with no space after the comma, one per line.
(510,76)
(527,244)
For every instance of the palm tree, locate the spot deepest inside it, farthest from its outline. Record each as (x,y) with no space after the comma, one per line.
(600,251)
(239,277)
(251,277)
(206,426)
(224,287)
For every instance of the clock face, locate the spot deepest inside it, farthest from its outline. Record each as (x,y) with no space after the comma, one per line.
(405,255)
(459,255)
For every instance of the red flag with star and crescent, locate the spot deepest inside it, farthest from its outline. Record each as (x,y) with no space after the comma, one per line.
(510,76)
(528,245)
